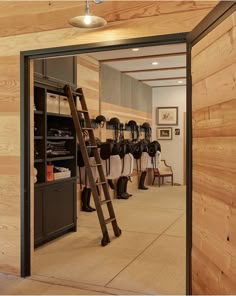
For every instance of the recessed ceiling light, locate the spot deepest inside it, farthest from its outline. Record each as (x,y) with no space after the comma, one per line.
(155,63)
(135,49)
(180,81)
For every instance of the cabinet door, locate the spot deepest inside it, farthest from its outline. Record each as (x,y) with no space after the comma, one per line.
(38,215)
(39,68)
(61,70)
(59,207)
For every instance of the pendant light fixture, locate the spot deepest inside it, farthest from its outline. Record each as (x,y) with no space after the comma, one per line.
(88,21)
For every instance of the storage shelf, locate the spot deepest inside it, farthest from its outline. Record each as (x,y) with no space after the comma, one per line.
(60,158)
(40,160)
(38,137)
(58,115)
(60,138)
(38,112)
(55,181)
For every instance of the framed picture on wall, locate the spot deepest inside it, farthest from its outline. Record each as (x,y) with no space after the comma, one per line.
(164,133)
(167,115)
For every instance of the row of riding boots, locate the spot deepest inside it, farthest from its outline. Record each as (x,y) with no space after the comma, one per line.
(121,191)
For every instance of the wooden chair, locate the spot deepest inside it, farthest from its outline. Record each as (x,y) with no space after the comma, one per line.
(163,171)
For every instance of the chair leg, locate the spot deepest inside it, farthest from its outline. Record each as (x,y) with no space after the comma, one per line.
(159,181)
(172,182)
(153,180)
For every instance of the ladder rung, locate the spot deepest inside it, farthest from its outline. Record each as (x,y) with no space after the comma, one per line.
(109,220)
(102,202)
(76,93)
(100,183)
(82,111)
(92,146)
(95,165)
(87,128)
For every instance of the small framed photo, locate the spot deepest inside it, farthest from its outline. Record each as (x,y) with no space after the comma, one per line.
(164,133)
(167,115)
(177,131)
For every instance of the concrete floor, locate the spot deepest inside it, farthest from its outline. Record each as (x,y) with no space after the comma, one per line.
(148,258)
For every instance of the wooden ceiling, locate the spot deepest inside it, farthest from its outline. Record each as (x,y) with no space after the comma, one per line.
(22,17)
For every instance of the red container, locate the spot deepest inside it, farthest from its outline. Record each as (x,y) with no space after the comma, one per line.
(50,175)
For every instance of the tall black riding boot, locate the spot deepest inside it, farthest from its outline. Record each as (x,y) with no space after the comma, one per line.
(125,186)
(88,200)
(124,194)
(119,188)
(111,184)
(141,181)
(84,199)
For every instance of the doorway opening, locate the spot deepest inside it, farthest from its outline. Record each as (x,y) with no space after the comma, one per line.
(94,50)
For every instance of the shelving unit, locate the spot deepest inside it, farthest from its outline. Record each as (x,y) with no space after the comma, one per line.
(55,145)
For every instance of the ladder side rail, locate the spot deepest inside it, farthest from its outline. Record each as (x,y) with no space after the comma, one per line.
(86,158)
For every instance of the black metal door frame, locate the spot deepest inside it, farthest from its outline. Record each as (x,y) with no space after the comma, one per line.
(213,19)
(26,56)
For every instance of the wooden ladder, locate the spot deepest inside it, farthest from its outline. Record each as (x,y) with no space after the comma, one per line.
(102,180)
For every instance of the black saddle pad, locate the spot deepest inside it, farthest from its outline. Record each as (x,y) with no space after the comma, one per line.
(153,147)
(123,149)
(138,150)
(106,150)
(115,149)
(129,147)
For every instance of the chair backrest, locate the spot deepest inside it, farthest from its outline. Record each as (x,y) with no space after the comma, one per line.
(164,167)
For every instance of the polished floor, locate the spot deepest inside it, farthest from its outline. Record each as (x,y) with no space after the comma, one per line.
(148,258)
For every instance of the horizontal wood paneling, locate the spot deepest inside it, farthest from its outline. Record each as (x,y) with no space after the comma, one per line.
(224,47)
(9,130)
(205,179)
(215,121)
(150,26)
(205,92)
(208,278)
(215,152)
(10,219)
(214,35)
(36,16)
(214,162)
(88,79)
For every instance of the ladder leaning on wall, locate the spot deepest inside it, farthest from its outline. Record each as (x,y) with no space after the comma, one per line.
(102,180)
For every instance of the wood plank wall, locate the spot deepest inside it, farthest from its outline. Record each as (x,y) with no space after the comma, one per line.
(173,17)
(214,161)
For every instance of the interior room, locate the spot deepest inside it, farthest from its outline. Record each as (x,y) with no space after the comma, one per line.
(121,84)
(168,126)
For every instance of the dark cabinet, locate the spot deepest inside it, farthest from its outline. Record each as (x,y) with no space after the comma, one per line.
(55,211)
(57,70)
(38,216)
(59,207)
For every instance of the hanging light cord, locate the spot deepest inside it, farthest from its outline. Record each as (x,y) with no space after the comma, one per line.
(87,9)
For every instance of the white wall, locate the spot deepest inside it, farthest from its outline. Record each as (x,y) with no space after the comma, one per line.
(172,150)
